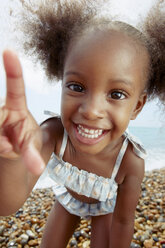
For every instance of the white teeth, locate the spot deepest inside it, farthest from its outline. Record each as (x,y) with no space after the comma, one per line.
(86,130)
(89,133)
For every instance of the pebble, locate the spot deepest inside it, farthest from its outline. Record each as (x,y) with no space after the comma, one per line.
(86,244)
(2,228)
(24,239)
(134,245)
(73,243)
(148,243)
(84,234)
(30,234)
(25,228)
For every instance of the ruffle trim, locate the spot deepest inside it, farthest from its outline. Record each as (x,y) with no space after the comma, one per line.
(79,208)
(81,181)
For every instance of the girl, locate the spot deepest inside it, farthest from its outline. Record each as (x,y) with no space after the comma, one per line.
(108,68)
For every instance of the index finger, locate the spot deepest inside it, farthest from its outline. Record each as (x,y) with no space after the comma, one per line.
(15,97)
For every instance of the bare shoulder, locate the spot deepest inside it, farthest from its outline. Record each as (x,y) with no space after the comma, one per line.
(133,164)
(53,126)
(52,130)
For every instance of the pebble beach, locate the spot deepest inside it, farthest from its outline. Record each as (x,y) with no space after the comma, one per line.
(25,227)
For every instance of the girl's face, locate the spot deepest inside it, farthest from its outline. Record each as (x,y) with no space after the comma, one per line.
(102,89)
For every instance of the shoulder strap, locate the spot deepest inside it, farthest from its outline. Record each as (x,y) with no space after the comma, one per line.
(119,158)
(52,114)
(63,146)
(138,148)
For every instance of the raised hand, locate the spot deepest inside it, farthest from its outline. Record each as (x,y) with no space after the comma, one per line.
(20,135)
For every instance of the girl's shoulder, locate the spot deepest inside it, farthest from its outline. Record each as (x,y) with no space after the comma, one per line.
(53,130)
(134,161)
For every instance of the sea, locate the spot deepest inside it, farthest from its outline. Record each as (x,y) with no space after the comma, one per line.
(153,140)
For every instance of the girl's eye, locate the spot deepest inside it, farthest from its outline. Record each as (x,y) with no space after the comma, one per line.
(117,95)
(76,87)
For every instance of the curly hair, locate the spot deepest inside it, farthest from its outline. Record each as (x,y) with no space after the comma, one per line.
(154,29)
(50,26)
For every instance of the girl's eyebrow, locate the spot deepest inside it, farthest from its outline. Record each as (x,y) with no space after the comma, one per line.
(127,82)
(73,73)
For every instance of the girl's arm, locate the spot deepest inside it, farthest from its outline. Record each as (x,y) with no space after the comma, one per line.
(21,142)
(127,200)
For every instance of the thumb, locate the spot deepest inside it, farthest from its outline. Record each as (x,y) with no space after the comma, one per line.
(33,160)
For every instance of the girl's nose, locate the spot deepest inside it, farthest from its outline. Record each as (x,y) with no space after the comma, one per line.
(92,108)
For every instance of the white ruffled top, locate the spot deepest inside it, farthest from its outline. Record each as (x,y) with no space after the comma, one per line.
(84,182)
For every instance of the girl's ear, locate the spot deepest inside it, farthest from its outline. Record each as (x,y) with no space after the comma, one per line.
(142,100)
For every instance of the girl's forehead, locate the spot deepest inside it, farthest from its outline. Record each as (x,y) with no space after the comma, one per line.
(104,44)
(113,53)
(103,40)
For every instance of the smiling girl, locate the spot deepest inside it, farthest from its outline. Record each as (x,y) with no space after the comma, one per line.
(107,71)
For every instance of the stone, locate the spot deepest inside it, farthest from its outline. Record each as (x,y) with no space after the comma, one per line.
(84,234)
(163,227)
(73,242)
(134,245)
(11,244)
(2,239)
(86,244)
(2,228)
(30,234)
(155,239)
(77,234)
(24,239)
(33,242)
(148,243)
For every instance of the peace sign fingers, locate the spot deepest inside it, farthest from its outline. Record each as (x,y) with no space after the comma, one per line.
(20,135)
(15,98)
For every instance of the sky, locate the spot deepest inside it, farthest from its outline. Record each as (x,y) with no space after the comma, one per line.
(42,96)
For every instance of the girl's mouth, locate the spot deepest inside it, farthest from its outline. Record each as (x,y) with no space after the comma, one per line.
(89,133)
(89,136)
